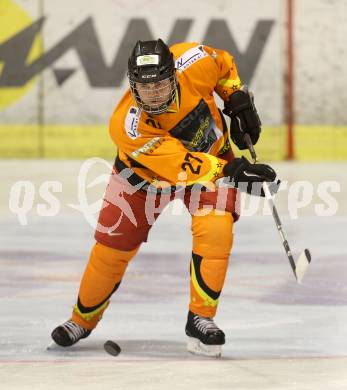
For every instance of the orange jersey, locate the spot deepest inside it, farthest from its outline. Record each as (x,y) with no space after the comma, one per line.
(191,135)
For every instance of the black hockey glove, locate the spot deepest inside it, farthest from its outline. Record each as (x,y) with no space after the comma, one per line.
(249,177)
(244,117)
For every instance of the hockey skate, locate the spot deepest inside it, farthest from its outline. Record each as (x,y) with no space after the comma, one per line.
(204,336)
(69,333)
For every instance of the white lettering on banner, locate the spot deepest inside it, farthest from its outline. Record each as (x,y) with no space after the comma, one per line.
(132,122)
(190,57)
(150,145)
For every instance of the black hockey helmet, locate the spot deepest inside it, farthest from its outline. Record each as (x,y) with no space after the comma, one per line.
(150,63)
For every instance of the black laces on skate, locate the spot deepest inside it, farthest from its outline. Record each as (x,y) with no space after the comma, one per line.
(205,325)
(74,330)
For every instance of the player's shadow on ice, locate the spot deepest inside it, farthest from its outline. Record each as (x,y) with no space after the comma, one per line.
(131,349)
(162,350)
(153,348)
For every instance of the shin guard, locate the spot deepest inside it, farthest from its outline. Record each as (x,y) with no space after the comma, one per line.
(102,277)
(212,243)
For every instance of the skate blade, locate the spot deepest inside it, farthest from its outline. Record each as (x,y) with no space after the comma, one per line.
(196,347)
(302,265)
(55,347)
(52,346)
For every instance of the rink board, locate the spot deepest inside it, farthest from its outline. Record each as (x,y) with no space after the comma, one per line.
(311,143)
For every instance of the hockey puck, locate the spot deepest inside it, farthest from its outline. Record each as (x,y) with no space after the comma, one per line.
(112,348)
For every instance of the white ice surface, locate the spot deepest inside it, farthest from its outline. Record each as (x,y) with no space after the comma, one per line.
(280,335)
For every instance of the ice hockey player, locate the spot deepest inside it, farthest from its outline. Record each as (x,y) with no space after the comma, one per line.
(168,126)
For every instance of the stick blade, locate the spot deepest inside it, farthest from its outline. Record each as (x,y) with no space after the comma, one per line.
(302,265)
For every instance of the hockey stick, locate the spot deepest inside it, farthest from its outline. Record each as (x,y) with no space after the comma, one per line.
(304,259)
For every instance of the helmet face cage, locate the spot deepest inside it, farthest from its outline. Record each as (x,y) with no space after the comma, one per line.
(154,98)
(151,73)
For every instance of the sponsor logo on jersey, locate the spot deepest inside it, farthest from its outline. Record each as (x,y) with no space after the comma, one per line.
(132,122)
(197,131)
(190,57)
(225,147)
(148,147)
